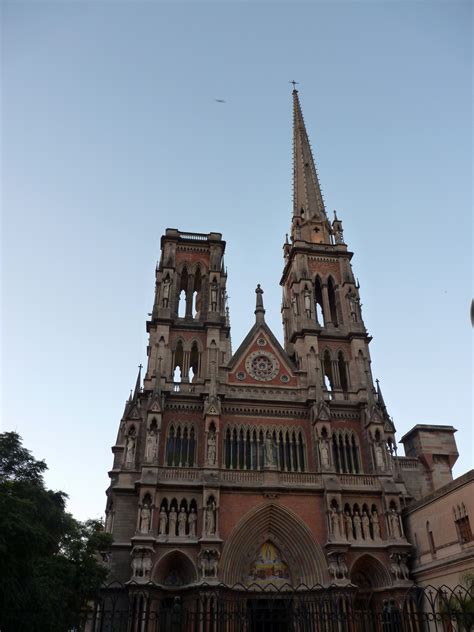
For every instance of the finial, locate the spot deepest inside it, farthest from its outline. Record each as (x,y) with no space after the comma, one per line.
(357,284)
(259,309)
(335,216)
(286,239)
(295,83)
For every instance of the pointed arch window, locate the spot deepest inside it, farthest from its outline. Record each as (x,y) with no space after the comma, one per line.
(182,293)
(244,449)
(318,302)
(181,446)
(332,301)
(342,367)
(345,451)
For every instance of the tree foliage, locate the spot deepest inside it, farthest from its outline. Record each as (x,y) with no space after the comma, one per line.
(50,564)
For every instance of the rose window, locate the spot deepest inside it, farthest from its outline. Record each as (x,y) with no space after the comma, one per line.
(262,365)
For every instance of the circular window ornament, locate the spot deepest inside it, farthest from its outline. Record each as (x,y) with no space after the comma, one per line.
(261,342)
(241,375)
(262,365)
(285,378)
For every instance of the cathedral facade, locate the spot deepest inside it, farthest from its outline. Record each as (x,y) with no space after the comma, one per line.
(269,465)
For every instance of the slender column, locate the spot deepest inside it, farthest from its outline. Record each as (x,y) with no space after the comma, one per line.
(335,373)
(189,296)
(326,308)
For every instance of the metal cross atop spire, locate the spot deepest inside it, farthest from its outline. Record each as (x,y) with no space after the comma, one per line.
(295,83)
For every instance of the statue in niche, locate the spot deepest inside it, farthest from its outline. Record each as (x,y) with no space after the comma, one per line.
(173,517)
(268,449)
(375,525)
(324,451)
(130,447)
(145,518)
(365,525)
(357,526)
(395,524)
(151,449)
(211,517)
(214,295)
(166,291)
(192,519)
(353,304)
(337,567)
(338,234)
(211,447)
(404,566)
(307,302)
(379,462)
(182,520)
(294,304)
(335,524)
(348,524)
(398,566)
(163,521)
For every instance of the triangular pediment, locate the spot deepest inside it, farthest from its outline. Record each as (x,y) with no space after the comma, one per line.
(261,360)
(155,406)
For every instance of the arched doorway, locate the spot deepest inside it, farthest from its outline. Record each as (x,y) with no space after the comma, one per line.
(370,576)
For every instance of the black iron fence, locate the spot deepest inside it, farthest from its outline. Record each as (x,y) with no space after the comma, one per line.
(239,608)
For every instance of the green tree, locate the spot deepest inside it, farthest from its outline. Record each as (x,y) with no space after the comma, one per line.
(50,563)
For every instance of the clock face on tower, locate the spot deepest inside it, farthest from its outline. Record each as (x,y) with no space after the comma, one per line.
(262,365)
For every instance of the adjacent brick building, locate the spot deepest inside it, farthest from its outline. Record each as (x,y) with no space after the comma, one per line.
(268,464)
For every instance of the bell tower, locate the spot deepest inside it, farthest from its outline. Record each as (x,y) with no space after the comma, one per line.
(324,331)
(189,329)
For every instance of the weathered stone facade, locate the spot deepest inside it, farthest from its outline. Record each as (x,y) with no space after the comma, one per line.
(270,464)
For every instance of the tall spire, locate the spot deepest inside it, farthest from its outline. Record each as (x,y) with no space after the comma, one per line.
(308,203)
(136,392)
(259,309)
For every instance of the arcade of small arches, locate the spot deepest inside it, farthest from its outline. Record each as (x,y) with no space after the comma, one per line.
(192,293)
(321,301)
(254,447)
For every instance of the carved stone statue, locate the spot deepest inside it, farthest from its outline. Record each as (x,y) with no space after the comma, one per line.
(208,561)
(211,448)
(338,234)
(349,527)
(192,519)
(214,295)
(163,521)
(182,520)
(353,304)
(365,525)
(173,517)
(307,303)
(335,524)
(145,517)
(379,462)
(404,566)
(324,452)
(337,568)
(268,449)
(130,449)
(151,450)
(395,524)
(399,567)
(166,291)
(141,563)
(294,304)
(211,517)
(357,526)
(375,525)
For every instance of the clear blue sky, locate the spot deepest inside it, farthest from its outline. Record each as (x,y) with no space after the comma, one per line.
(110,134)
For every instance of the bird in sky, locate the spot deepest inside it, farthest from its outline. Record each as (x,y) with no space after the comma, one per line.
(220,101)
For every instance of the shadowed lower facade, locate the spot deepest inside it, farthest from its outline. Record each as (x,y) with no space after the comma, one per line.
(269,465)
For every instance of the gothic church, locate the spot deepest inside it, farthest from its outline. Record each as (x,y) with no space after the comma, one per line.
(269,465)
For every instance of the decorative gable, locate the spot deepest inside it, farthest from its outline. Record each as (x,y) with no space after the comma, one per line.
(260,360)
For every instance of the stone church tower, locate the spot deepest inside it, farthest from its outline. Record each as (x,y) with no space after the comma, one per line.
(270,464)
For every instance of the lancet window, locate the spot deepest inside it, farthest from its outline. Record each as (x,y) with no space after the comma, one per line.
(248,448)
(181,446)
(189,303)
(345,451)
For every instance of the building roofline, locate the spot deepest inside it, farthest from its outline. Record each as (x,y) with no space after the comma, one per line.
(460,481)
(427,428)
